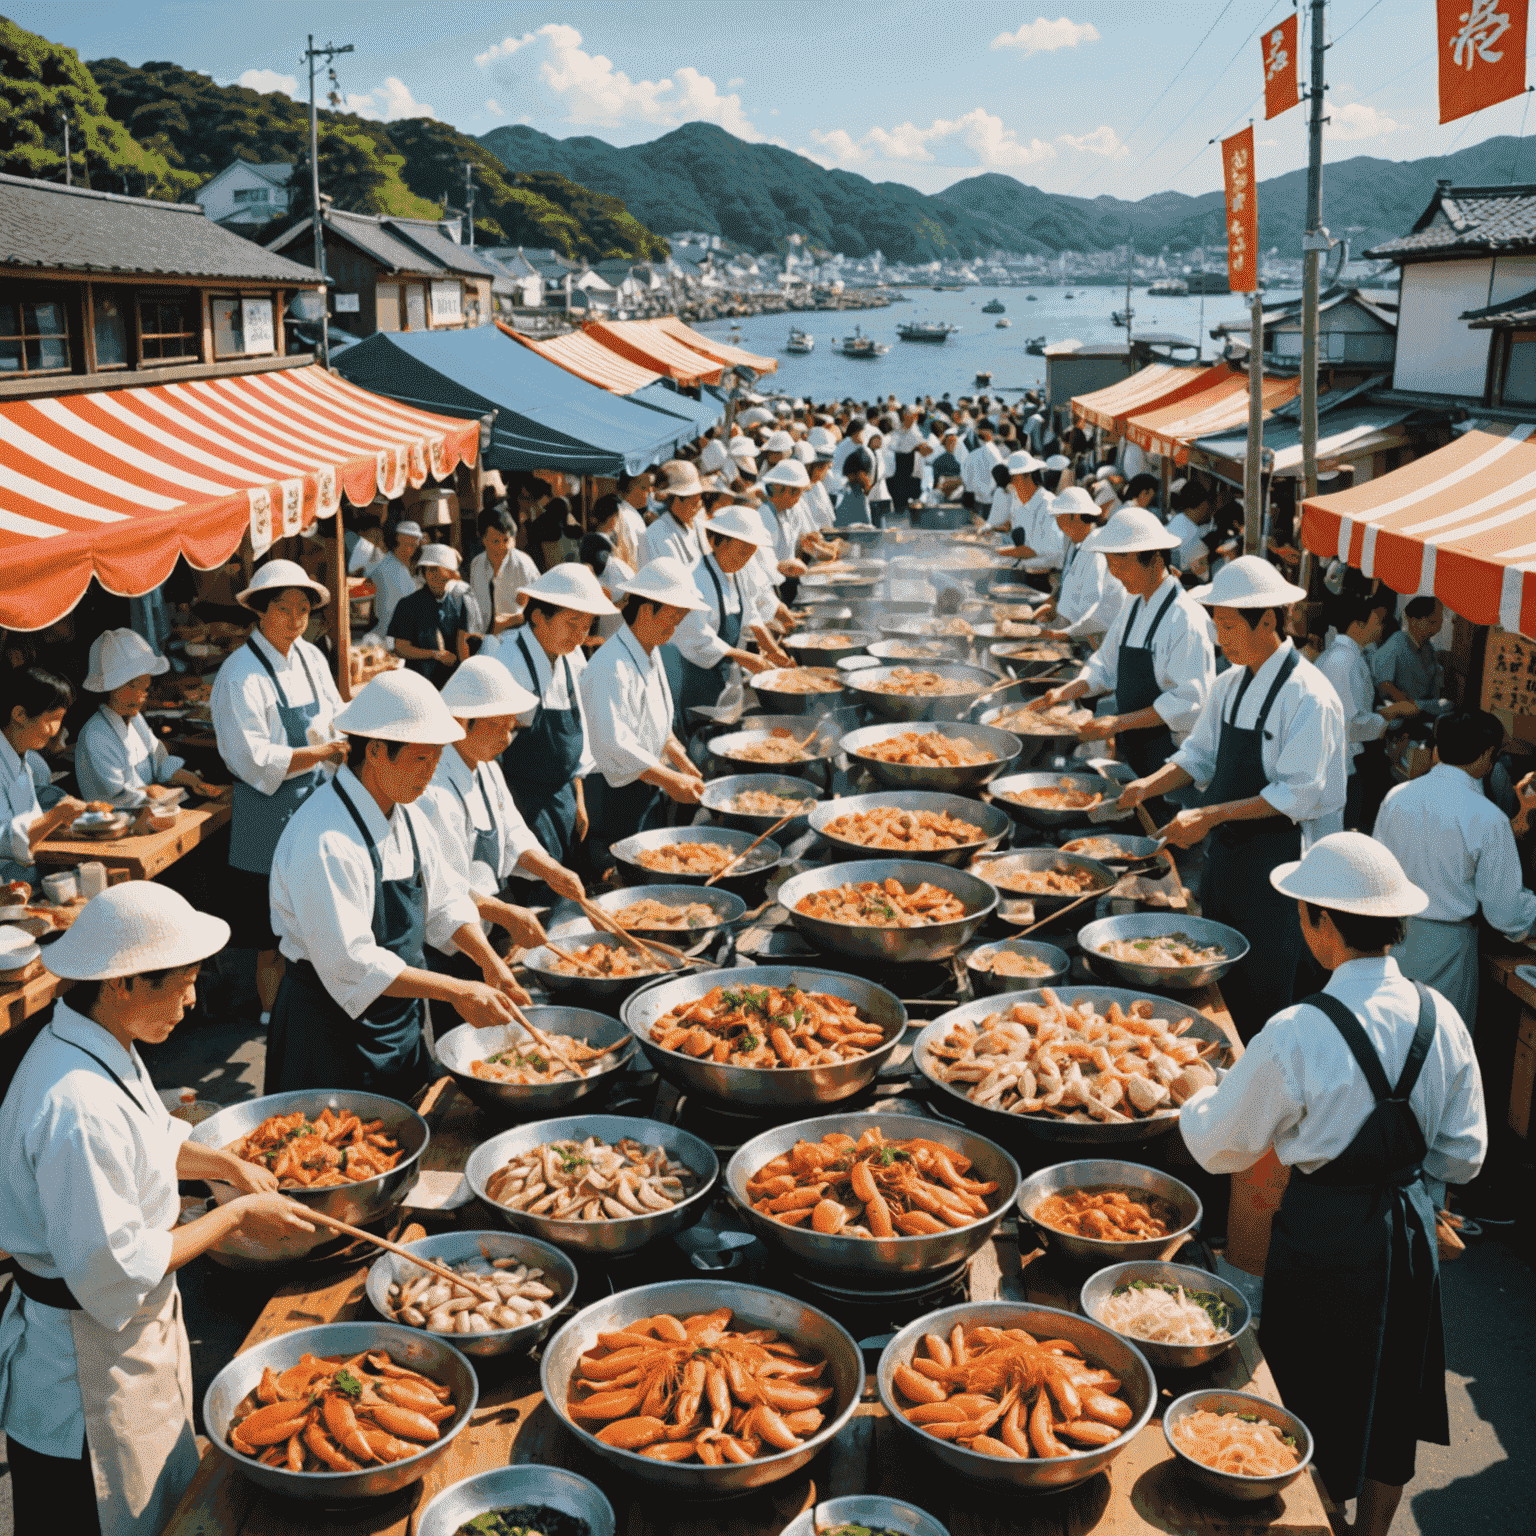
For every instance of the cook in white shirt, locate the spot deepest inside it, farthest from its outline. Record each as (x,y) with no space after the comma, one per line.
(367,548)
(498,571)
(675,533)
(1088,599)
(817,500)
(1366,1092)
(32,705)
(1456,844)
(634,496)
(393,579)
(628,709)
(95,1367)
(1190,524)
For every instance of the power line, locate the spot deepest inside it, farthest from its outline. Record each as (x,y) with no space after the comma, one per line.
(1355,23)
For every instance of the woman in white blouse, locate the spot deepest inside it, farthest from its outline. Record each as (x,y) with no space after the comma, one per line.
(32,705)
(118,758)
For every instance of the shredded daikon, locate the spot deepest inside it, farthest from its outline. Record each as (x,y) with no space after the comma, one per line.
(1235,1443)
(1161,1316)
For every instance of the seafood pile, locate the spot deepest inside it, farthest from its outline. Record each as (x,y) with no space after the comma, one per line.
(1059,880)
(955,629)
(1036,653)
(694,1389)
(428,1302)
(564,1059)
(883,904)
(1008,962)
(1108,1214)
(1165,949)
(804,680)
(1016,629)
(1002,1392)
(916,650)
(339,1414)
(321,1153)
(650,914)
(1064,796)
(1049,1058)
(613,960)
(592,1181)
(773,749)
(907,831)
(870,1187)
(763,802)
(1095,848)
(910,681)
(768,1027)
(928,749)
(829,640)
(686,858)
(1059,720)
(1167,1314)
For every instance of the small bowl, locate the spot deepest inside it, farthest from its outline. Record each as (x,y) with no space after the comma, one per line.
(1098,1288)
(719,793)
(1094,1173)
(1235,1485)
(872,1510)
(1146,925)
(508,1487)
(985,980)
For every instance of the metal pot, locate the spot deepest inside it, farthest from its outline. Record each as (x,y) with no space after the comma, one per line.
(719,793)
(866,686)
(754,867)
(1149,925)
(1003,745)
(992,824)
(770,688)
(1048,818)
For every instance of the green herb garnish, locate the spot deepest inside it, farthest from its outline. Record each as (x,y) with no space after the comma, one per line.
(348,1384)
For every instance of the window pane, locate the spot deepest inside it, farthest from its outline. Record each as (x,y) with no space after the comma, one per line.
(1520,381)
(387,304)
(228,339)
(415,307)
(111,333)
(46,319)
(10,355)
(47,352)
(8,325)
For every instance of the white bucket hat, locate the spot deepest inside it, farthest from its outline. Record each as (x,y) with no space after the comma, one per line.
(1350,872)
(1106,472)
(570,586)
(819,437)
(713,457)
(1075,502)
(1024,464)
(1249,582)
(790,472)
(664,580)
(779,442)
(284,573)
(739,523)
(411,528)
(134,927)
(1106,496)
(117,657)
(445,556)
(482,686)
(682,479)
(805,454)
(400,706)
(1056,460)
(755,416)
(1129,531)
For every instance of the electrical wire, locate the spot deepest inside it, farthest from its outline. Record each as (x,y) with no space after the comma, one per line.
(1355,23)
(1520,142)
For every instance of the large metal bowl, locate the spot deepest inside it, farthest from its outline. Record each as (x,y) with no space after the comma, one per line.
(718,794)
(768,686)
(824,731)
(1234,1485)
(913,649)
(1100,1347)
(1032,658)
(725,908)
(1092,1173)
(1132,854)
(900,631)
(1046,818)
(360,1203)
(428,1353)
(992,823)
(1036,744)
(922,706)
(1098,1288)
(508,1487)
(997,868)
(465,1044)
(879,1261)
(454,1248)
(901,946)
(1050,1128)
(627,853)
(1149,925)
(603,1239)
(1003,745)
(843,588)
(767,1090)
(606,991)
(751,1308)
(984,980)
(874,1511)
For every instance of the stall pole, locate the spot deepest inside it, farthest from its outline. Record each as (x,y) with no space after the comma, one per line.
(341,607)
(1253,525)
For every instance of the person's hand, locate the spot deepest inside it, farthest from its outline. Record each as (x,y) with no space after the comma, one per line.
(1525,793)
(1132,795)
(1098,727)
(446,657)
(156,791)
(1398,709)
(755,664)
(583,826)
(268,1217)
(209,791)
(1187,828)
(251,1178)
(563,882)
(1042,702)
(681,787)
(792,568)
(499,978)
(526,930)
(67,809)
(481,1005)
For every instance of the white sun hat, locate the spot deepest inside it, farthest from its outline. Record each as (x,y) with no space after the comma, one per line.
(1128,532)
(117,657)
(1024,463)
(788,472)
(805,454)
(400,706)
(779,442)
(1249,582)
(664,580)
(741,444)
(413,529)
(135,927)
(444,556)
(681,479)
(737,522)
(283,573)
(1350,872)
(713,457)
(482,686)
(1106,472)
(1057,460)
(570,586)
(1075,502)
(819,437)
(755,416)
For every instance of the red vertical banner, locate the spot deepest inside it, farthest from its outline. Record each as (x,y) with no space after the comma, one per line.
(1482,53)
(1242,212)
(1281,88)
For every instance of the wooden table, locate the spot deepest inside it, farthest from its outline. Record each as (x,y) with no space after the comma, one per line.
(142,857)
(18,1003)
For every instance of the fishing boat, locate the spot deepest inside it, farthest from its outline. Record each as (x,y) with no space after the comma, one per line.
(1069,295)
(936,331)
(800,342)
(1035,346)
(994,307)
(1169,288)
(861,346)
(983,377)
(1122,317)
(1029,298)
(1003,325)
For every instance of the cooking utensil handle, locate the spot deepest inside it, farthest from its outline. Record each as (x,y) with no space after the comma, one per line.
(1150,828)
(763,837)
(336,1225)
(645,948)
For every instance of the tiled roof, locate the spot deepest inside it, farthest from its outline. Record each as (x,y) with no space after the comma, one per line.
(278,172)
(73,229)
(448,254)
(1469,219)
(1518,311)
(370,236)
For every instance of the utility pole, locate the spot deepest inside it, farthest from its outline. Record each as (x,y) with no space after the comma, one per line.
(311,53)
(469,198)
(1253,469)
(1314,243)
(69,179)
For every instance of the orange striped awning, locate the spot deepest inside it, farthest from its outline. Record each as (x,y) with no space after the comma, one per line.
(712,346)
(118,483)
(1157,384)
(588,359)
(645,342)
(1460,524)
(1221,406)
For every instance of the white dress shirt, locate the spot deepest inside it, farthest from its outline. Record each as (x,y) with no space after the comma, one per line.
(1303,748)
(1455,844)
(391,580)
(517,570)
(1037,517)
(632,537)
(628,708)
(667,536)
(322,890)
(1191,540)
(90,1199)
(244,705)
(365,555)
(819,504)
(1298,1088)
(115,758)
(547,680)
(698,636)
(1089,599)
(1182,658)
(905,440)
(18,798)
(976,473)
(1345,666)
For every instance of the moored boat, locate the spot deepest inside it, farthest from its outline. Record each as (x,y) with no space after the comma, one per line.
(993,307)
(926,330)
(800,342)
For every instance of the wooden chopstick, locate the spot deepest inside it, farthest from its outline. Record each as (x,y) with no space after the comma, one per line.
(1150,828)
(642,947)
(570,959)
(783,821)
(1051,917)
(321,1219)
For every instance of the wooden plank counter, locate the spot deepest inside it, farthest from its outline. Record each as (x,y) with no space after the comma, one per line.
(142,857)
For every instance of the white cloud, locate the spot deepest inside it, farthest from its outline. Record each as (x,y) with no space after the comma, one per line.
(1102,141)
(995,146)
(268,80)
(731,85)
(841,148)
(388,102)
(1356,120)
(908,142)
(1042,36)
(494,107)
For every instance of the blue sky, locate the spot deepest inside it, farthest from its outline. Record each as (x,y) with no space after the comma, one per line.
(1116,98)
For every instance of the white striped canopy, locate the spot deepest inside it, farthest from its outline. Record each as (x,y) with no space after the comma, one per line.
(118,483)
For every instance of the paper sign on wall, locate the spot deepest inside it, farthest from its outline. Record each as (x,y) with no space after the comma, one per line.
(256,324)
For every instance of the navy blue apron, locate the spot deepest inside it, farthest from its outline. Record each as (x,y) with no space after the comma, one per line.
(486,849)
(540,766)
(703,685)
(1352,1322)
(257,820)
(1137,688)
(1239,855)
(452,619)
(314,1043)
(852,509)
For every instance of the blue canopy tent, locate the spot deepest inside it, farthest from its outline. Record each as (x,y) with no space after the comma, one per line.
(546,418)
(702,414)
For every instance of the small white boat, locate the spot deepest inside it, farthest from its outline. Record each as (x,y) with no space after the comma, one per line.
(800,342)
(1003,325)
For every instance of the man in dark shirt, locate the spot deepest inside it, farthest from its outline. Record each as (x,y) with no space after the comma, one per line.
(431,627)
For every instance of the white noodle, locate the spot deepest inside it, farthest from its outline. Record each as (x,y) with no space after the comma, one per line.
(1160,1317)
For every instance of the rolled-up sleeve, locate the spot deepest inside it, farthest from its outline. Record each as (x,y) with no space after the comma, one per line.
(1461,1139)
(1191,662)
(1506,903)
(241,726)
(698,640)
(1197,752)
(1102,669)
(1230,1127)
(1310,759)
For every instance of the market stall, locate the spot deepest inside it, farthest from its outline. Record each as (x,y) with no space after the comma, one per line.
(714,346)
(1158,384)
(647,343)
(1219,405)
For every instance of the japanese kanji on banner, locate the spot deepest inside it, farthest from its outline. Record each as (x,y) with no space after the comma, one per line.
(1281,90)
(1242,212)
(1482,54)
